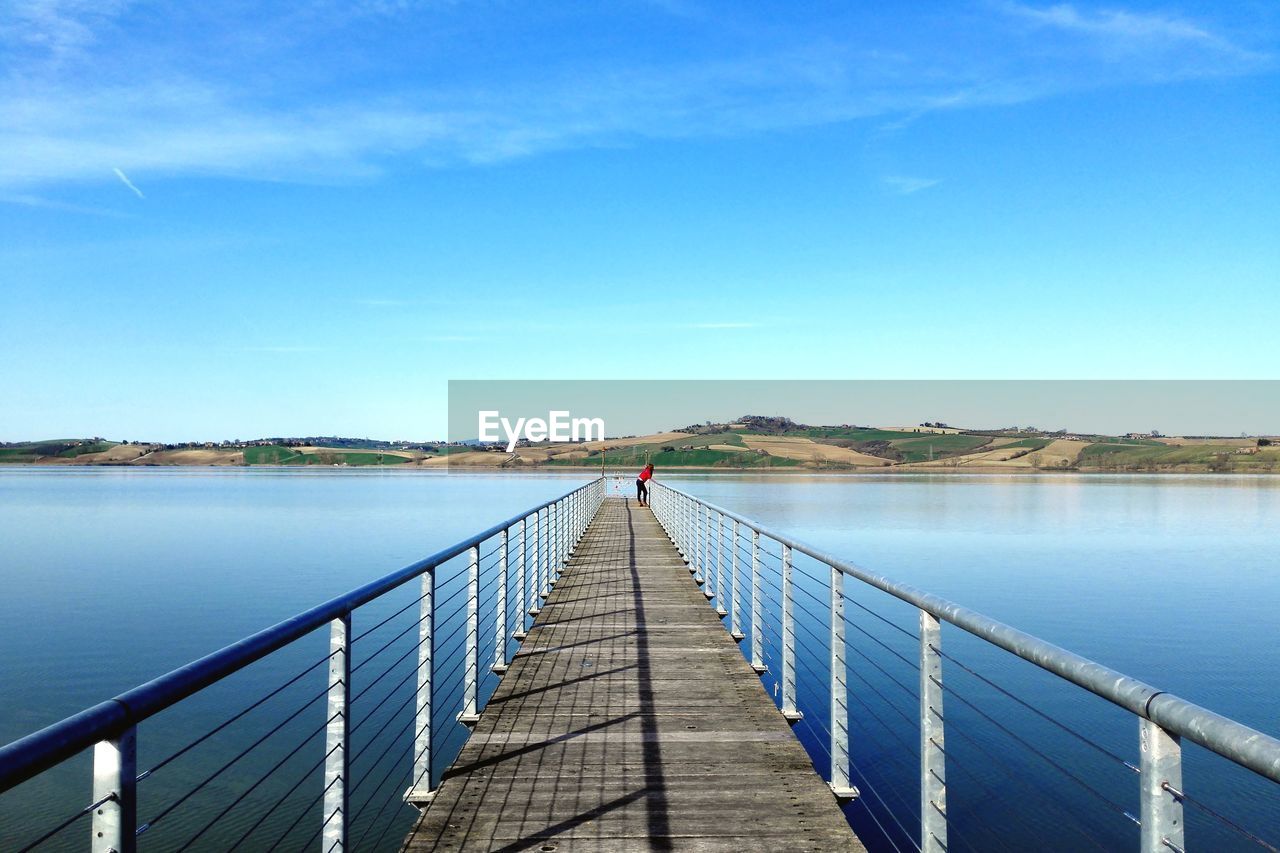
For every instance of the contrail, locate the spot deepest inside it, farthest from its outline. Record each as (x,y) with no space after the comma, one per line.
(128,183)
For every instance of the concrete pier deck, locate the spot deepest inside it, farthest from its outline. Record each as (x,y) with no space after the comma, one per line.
(629,720)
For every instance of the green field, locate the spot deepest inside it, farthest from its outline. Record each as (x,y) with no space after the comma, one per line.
(272,454)
(278,455)
(1154,456)
(938,446)
(854,433)
(638,455)
(1028,443)
(65,447)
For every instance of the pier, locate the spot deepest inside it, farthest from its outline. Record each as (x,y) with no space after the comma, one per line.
(594,675)
(629,720)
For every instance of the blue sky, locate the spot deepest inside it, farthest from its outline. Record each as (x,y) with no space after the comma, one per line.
(221,221)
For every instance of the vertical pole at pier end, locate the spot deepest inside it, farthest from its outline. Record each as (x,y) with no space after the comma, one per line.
(735,629)
(471,683)
(757,607)
(840,783)
(789,709)
(115,774)
(337,764)
(500,618)
(1161,780)
(419,794)
(933,745)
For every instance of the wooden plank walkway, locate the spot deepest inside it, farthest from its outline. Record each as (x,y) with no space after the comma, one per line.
(629,720)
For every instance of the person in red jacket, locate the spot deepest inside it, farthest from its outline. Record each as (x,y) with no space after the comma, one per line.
(642,484)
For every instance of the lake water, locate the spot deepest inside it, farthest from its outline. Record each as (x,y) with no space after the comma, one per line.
(113,576)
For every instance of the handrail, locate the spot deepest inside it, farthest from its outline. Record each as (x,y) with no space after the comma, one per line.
(1245,746)
(40,750)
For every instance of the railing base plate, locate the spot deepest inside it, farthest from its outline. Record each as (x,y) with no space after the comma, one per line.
(845,794)
(498,668)
(720,611)
(519,635)
(792,716)
(760,670)
(419,797)
(468,719)
(737,635)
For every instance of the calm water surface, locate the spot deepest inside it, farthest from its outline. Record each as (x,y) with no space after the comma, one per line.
(113,576)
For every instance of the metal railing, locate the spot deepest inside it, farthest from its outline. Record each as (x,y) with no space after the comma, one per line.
(734,557)
(516,563)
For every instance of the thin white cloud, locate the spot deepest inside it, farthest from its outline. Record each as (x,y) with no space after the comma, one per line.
(1112,23)
(64,120)
(28,200)
(128,183)
(904,185)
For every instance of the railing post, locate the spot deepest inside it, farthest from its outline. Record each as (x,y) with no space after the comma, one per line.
(419,793)
(682,528)
(500,617)
(735,629)
(471,683)
(757,626)
(789,709)
(933,758)
(115,774)
(711,573)
(1161,780)
(840,783)
(719,590)
(337,737)
(535,580)
(522,596)
(545,549)
(699,560)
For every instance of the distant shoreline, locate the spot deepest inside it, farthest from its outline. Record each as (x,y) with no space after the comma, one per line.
(530,470)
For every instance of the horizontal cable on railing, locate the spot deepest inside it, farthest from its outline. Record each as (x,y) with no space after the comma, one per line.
(229,721)
(913,723)
(75,817)
(262,778)
(905,689)
(822,744)
(873,638)
(241,755)
(1077,735)
(373,766)
(442,621)
(296,785)
(299,818)
(385,672)
(374,822)
(320,828)
(389,643)
(377,844)
(1064,771)
(891,624)
(392,692)
(1223,819)
(369,631)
